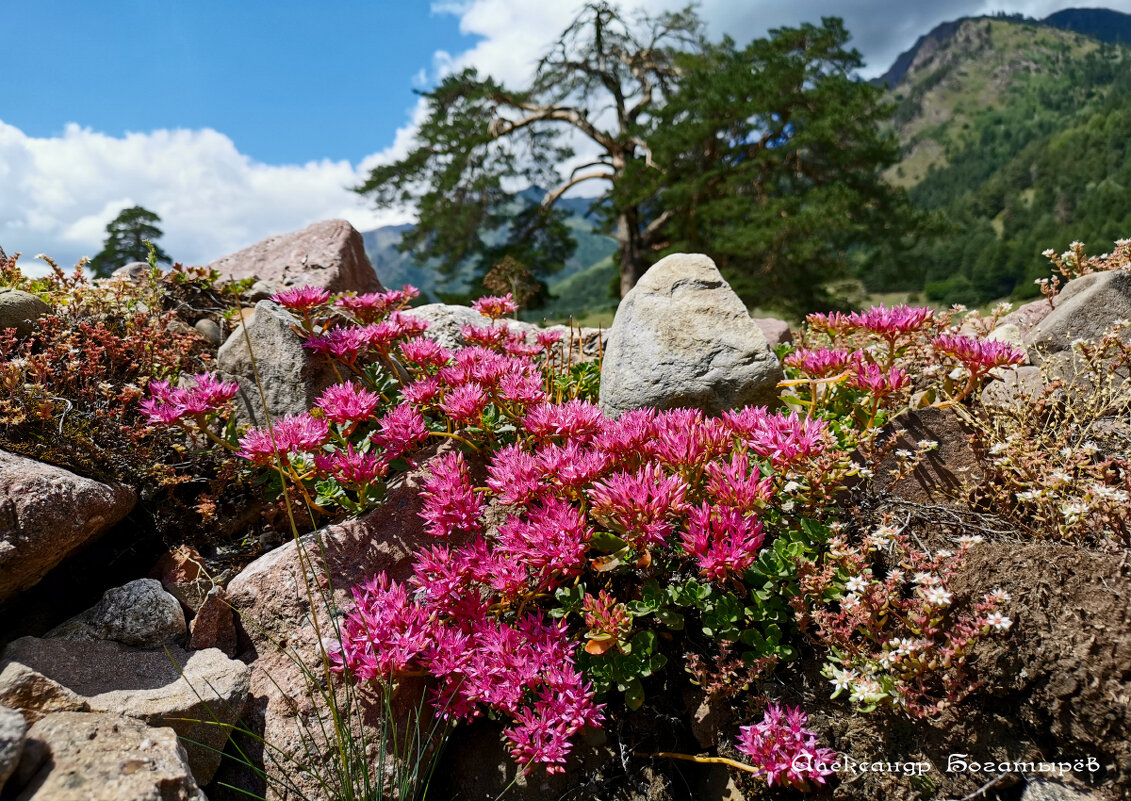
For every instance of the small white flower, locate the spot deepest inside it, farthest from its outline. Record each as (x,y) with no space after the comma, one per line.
(842,679)
(928,445)
(1065,452)
(791,486)
(998,448)
(903,454)
(944,554)
(856,584)
(997,620)
(924,579)
(1090,447)
(937,596)
(969,540)
(863,472)
(1073,512)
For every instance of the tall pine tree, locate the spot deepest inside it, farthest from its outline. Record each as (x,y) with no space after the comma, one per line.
(766,157)
(126,237)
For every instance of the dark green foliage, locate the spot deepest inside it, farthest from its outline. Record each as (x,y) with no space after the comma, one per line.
(126,238)
(1049,165)
(771,156)
(1099,23)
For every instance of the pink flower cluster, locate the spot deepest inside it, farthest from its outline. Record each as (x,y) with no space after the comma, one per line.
(496,307)
(523,669)
(978,356)
(784,751)
(168,404)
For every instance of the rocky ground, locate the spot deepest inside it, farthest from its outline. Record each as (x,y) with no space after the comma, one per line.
(123,669)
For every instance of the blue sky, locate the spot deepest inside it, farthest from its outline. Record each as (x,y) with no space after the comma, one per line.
(241,119)
(286,84)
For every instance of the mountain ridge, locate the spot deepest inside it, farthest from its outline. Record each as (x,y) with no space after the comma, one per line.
(1102,24)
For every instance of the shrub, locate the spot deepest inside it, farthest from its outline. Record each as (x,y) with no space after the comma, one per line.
(625,543)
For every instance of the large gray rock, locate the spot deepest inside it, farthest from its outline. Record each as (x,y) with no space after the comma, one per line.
(329,254)
(198,694)
(46,513)
(140,613)
(1013,386)
(80,756)
(20,310)
(445,322)
(292,376)
(13,729)
(682,337)
(1085,308)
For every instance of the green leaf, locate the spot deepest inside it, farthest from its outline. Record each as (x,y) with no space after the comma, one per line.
(607,542)
(634,694)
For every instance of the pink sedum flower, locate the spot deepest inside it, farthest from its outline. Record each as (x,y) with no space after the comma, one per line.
(425,353)
(575,420)
(402,431)
(351,466)
(979,356)
(496,307)
(348,402)
(871,378)
(640,506)
(302,298)
(450,502)
(784,751)
(822,362)
(722,540)
(465,403)
(894,322)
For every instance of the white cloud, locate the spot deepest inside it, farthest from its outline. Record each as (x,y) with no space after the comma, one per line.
(60,192)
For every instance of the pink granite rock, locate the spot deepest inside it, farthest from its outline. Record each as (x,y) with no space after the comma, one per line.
(47,512)
(329,254)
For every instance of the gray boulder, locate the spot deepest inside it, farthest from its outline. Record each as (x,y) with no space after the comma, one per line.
(328,254)
(13,729)
(80,756)
(444,322)
(1085,308)
(198,694)
(1027,316)
(682,337)
(140,613)
(292,376)
(210,330)
(20,310)
(1021,385)
(46,513)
